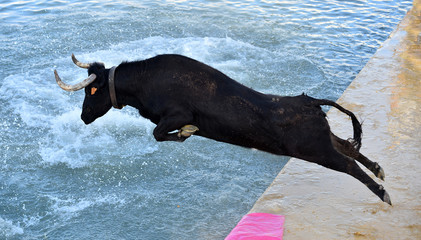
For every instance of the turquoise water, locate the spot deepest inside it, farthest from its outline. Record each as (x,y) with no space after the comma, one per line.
(61,179)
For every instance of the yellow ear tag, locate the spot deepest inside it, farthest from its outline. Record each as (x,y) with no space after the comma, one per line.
(93,90)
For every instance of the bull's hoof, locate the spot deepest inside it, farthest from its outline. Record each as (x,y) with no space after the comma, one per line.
(187,131)
(380,174)
(386,198)
(378,171)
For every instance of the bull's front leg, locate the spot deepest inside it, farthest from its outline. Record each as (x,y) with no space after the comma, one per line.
(164,131)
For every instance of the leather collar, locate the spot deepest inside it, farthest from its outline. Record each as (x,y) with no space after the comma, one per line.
(111,86)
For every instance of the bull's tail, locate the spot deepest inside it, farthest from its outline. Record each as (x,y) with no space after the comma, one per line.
(356,141)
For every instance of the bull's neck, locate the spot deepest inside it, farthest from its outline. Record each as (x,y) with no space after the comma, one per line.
(126,90)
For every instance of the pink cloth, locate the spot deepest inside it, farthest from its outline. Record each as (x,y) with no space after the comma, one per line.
(258,226)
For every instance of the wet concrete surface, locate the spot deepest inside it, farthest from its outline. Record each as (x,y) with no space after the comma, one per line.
(386,95)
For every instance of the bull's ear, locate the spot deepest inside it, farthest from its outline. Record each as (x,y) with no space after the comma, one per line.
(93,90)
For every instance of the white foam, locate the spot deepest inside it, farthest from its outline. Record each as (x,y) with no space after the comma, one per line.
(30,97)
(8,229)
(71,207)
(72,142)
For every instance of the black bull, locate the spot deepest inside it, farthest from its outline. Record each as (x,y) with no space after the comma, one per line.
(179,93)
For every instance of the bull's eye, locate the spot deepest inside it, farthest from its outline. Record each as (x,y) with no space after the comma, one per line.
(93,90)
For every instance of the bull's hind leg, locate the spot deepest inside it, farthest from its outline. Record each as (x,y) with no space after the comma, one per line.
(342,163)
(348,149)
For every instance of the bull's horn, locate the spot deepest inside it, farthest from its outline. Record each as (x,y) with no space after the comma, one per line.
(76,86)
(80,64)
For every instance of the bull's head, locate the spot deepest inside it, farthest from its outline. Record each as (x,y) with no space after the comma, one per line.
(97,100)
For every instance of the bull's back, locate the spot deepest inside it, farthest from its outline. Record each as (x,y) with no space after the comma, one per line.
(178,79)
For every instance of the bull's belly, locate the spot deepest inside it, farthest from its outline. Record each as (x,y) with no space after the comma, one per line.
(246,138)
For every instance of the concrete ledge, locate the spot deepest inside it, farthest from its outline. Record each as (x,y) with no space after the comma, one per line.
(323,204)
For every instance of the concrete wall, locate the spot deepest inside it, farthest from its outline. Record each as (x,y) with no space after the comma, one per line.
(323,204)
